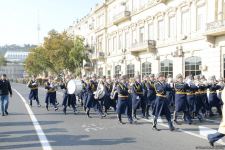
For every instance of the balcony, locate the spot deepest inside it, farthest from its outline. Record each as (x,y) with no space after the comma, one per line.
(121,17)
(90,48)
(216,28)
(146,46)
(100,55)
(88,66)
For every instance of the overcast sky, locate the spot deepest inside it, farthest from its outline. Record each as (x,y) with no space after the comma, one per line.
(18,18)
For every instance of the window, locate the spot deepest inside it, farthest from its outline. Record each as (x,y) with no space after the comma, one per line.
(100,39)
(167,67)
(161,30)
(141,34)
(109,45)
(172,27)
(134,37)
(120,42)
(117,70)
(100,72)
(185,23)
(146,68)
(114,43)
(151,31)
(201,18)
(192,66)
(130,71)
(126,42)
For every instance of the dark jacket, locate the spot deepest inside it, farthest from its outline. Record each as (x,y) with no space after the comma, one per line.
(5,87)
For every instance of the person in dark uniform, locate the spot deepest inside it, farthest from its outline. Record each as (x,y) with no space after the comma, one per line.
(68,99)
(161,104)
(170,94)
(213,100)
(91,101)
(151,94)
(50,85)
(108,102)
(221,84)
(123,104)
(5,91)
(33,85)
(137,97)
(84,92)
(181,104)
(191,98)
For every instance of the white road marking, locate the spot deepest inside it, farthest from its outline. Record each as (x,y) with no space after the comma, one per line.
(188,132)
(41,135)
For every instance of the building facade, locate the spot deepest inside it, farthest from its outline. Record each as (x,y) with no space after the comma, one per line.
(148,36)
(14,68)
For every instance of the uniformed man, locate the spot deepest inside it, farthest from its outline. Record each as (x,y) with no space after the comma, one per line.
(108,102)
(161,104)
(33,85)
(91,101)
(84,92)
(123,104)
(137,97)
(181,104)
(68,99)
(213,100)
(51,87)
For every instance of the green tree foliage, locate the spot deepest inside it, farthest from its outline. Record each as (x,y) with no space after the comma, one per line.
(2,60)
(58,52)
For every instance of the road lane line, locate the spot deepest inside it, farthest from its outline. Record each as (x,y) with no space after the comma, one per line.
(41,135)
(188,132)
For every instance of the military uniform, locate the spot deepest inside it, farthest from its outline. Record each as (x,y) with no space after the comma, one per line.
(33,85)
(137,98)
(213,100)
(68,99)
(123,104)
(91,101)
(161,104)
(50,95)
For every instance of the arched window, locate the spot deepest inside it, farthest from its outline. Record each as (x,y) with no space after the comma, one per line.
(146,68)
(118,70)
(130,71)
(192,66)
(167,67)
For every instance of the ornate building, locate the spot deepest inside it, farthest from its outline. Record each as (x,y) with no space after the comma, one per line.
(147,36)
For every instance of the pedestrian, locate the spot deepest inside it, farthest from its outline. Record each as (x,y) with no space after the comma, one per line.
(5,91)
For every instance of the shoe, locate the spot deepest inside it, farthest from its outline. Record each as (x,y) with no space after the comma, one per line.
(121,122)
(103,115)
(155,128)
(6,112)
(56,108)
(39,105)
(3,114)
(172,129)
(176,122)
(47,108)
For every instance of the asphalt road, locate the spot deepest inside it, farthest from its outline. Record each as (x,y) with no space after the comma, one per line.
(20,131)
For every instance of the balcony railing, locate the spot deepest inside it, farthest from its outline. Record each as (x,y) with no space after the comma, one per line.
(97,56)
(120,17)
(216,28)
(88,66)
(148,46)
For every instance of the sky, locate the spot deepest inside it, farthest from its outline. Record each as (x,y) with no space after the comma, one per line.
(19,18)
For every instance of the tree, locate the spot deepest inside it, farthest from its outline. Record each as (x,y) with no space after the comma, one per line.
(59,52)
(2,60)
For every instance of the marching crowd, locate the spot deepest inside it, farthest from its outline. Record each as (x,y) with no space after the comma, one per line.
(193,97)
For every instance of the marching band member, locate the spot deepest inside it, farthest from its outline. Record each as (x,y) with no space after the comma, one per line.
(50,85)
(33,85)
(161,104)
(203,91)
(150,93)
(191,98)
(213,100)
(84,92)
(123,100)
(137,97)
(68,99)
(219,94)
(181,99)
(108,102)
(170,94)
(91,101)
